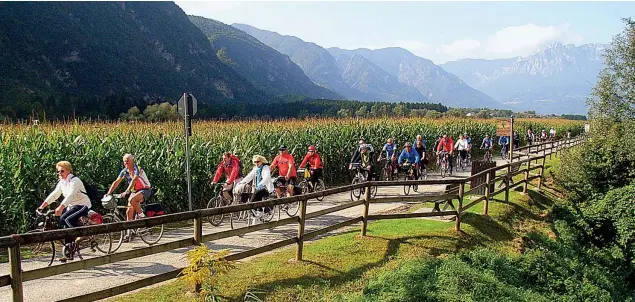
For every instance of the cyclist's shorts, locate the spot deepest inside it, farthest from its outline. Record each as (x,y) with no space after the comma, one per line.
(146,193)
(280,181)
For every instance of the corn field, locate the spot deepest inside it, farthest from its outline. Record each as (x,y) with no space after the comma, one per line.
(28,153)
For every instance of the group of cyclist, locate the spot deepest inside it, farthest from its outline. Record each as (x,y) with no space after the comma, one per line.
(259,181)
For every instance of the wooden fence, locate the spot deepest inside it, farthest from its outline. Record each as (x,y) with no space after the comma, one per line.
(17,276)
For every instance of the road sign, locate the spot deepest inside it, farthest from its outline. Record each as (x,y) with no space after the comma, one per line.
(503,127)
(185,100)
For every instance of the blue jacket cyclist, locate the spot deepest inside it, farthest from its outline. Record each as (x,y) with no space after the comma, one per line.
(411,155)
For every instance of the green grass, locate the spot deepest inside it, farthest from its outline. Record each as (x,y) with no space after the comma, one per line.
(339,267)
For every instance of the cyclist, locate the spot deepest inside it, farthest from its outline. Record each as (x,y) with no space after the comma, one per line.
(469,144)
(420,147)
(138,186)
(503,141)
(230,166)
(462,146)
(315,164)
(516,140)
(75,204)
(412,156)
(530,137)
(389,147)
(543,135)
(552,133)
(434,148)
(487,143)
(358,151)
(260,177)
(446,146)
(285,164)
(365,159)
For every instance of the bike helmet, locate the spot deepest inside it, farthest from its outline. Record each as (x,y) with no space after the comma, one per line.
(312,148)
(408,144)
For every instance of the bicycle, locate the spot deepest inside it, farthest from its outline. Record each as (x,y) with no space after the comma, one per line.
(461,162)
(504,152)
(410,175)
(248,217)
(389,169)
(444,164)
(290,208)
(220,201)
(487,157)
(307,186)
(150,235)
(69,250)
(360,177)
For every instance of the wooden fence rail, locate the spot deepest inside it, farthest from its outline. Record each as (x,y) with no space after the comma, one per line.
(16,275)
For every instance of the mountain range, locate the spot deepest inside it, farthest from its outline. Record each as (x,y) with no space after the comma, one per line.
(557,79)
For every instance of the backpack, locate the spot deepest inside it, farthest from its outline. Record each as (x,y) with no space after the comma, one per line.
(240,165)
(91,191)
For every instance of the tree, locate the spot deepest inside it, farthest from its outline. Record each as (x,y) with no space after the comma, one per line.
(455,112)
(433,114)
(483,114)
(613,97)
(361,112)
(399,110)
(374,110)
(133,114)
(160,112)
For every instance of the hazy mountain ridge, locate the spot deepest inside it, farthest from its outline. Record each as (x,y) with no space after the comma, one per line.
(325,68)
(556,79)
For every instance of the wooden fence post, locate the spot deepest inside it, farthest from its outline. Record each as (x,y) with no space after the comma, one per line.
(365,210)
(298,252)
(526,178)
(550,150)
(486,202)
(507,180)
(15,264)
(198,239)
(542,173)
(459,208)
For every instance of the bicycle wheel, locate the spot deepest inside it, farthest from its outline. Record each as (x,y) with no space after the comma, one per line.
(406,188)
(356,193)
(45,250)
(151,235)
(115,237)
(442,168)
(215,202)
(319,187)
(240,219)
(292,208)
(102,242)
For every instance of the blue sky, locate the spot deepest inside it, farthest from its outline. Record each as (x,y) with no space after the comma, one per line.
(439,31)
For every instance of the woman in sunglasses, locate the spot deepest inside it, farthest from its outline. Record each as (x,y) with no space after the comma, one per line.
(75,204)
(260,177)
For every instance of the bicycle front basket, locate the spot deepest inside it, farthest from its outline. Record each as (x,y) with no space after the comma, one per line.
(109,203)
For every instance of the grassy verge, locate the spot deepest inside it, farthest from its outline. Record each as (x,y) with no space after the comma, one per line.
(340,267)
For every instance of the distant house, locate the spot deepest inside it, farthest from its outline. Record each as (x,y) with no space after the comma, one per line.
(470,114)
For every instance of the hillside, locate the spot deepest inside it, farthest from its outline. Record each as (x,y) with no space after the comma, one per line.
(557,79)
(314,60)
(95,50)
(266,68)
(429,79)
(365,76)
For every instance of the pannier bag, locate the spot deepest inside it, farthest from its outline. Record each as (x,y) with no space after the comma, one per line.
(154,209)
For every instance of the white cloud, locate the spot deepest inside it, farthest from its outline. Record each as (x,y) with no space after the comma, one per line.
(509,42)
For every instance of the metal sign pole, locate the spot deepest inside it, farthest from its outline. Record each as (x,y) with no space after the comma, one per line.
(511,139)
(188,132)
